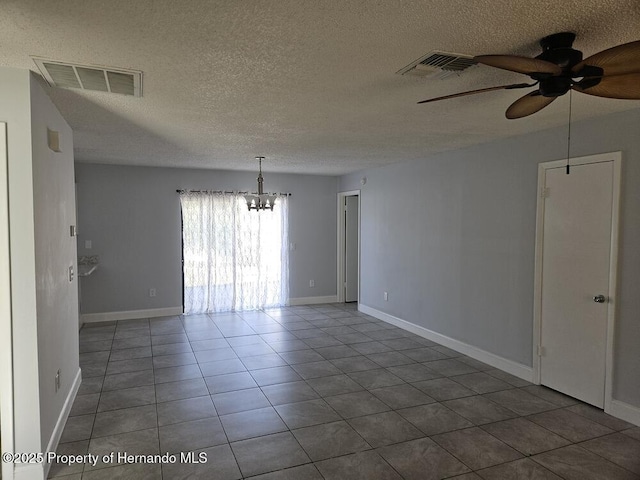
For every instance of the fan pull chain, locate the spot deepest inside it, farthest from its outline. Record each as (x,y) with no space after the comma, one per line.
(569,136)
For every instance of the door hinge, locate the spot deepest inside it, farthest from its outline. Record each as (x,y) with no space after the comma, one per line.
(545,192)
(541,351)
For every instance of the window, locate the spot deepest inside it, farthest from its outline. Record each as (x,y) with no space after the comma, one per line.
(233,259)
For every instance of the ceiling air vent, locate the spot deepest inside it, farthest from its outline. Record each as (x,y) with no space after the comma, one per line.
(438,65)
(90,77)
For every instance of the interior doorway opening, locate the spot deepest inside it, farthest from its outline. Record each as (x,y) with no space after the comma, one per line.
(349,207)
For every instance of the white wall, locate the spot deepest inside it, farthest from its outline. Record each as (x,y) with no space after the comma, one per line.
(451,238)
(132,217)
(6,360)
(44,308)
(16,112)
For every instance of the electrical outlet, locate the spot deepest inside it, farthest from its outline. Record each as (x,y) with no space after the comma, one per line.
(88,245)
(57,380)
(386,296)
(152,292)
(312,283)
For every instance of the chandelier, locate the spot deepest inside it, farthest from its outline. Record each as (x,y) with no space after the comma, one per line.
(261,201)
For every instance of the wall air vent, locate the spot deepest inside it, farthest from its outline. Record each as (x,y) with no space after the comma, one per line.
(438,65)
(90,77)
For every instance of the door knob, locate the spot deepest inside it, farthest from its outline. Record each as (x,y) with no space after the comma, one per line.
(599,299)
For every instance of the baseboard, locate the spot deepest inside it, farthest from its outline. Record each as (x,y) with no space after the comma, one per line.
(130,314)
(30,471)
(313,300)
(62,419)
(514,368)
(624,411)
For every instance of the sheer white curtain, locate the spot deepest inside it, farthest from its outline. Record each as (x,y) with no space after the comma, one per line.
(233,259)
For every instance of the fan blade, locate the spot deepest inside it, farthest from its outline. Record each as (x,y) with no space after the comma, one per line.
(514,63)
(618,60)
(616,86)
(527,105)
(480,90)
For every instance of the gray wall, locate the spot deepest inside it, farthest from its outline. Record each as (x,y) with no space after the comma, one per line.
(57,296)
(132,217)
(451,238)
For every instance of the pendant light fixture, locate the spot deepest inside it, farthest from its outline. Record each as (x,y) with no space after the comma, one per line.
(261,201)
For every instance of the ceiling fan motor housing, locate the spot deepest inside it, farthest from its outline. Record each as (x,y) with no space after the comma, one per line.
(563,57)
(557,48)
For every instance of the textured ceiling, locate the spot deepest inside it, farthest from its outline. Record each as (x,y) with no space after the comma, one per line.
(311,85)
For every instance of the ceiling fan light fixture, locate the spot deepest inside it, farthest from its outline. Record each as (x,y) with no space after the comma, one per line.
(555,86)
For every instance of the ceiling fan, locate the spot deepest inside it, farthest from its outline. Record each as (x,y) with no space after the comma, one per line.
(612,73)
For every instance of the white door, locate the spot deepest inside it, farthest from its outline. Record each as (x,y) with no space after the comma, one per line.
(576,256)
(351,249)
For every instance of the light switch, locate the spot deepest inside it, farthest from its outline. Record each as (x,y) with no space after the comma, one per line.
(88,245)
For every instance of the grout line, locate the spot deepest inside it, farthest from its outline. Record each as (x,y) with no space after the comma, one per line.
(155,398)
(95,416)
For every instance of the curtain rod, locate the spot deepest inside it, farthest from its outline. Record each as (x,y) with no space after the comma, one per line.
(223,191)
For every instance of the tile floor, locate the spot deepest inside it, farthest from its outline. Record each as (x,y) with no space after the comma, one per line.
(319,392)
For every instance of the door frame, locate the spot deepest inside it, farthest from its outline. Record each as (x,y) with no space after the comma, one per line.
(6,335)
(341,242)
(616,158)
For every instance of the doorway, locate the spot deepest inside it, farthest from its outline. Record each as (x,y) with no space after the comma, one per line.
(576,261)
(348,287)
